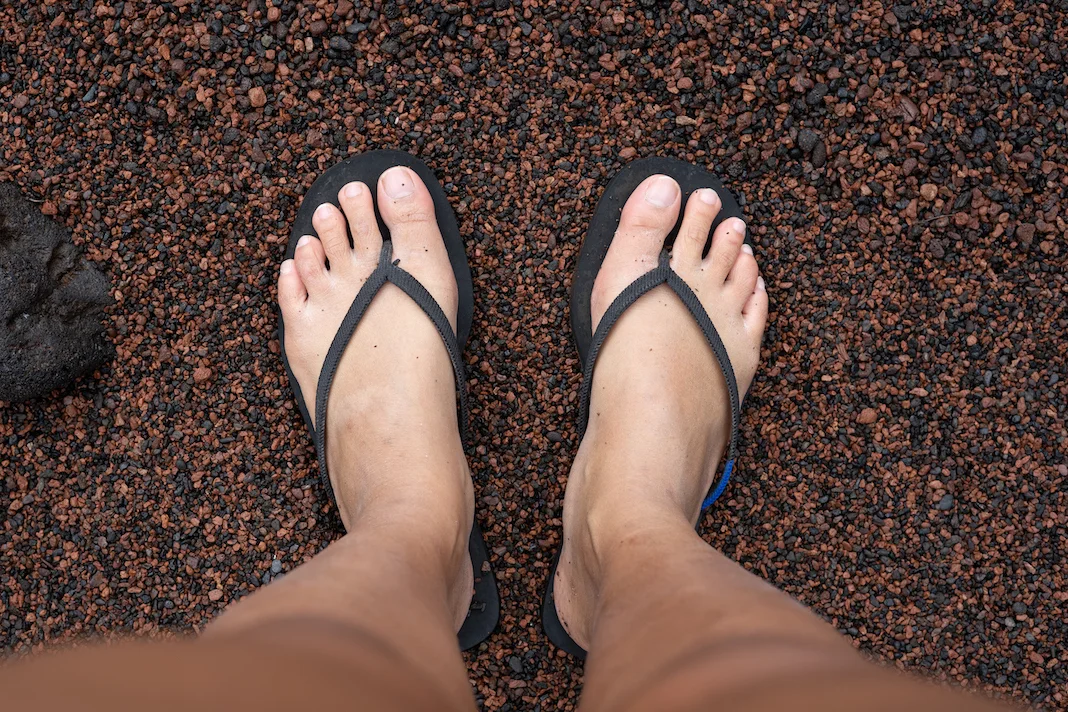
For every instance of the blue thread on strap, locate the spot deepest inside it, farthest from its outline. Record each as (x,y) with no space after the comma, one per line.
(720,486)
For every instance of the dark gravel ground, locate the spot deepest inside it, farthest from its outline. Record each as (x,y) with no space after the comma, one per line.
(904,171)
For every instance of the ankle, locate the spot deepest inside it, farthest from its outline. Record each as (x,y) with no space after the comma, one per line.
(616,530)
(612,535)
(433,539)
(628,476)
(604,509)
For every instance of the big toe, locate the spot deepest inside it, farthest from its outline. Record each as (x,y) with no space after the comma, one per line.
(648,216)
(408,211)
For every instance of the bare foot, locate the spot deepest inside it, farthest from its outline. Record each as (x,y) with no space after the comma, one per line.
(659,410)
(393,442)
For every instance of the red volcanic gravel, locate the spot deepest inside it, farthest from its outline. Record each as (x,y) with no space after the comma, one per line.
(904,172)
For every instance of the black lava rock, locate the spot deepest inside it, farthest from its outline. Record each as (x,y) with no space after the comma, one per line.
(819,154)
(816,94)
(51,303)
(807,140)
(946,503)
(340,44)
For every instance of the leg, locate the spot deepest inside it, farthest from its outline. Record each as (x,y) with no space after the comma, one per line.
(373,618)
(397,466)
(670,623)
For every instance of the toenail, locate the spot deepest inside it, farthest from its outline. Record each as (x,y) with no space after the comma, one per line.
(304,241)
(661,192)
(353,189)
(738,224)
(286,267)
(747,249)
(397,183)
(708,196)
(760,284)
(323,211)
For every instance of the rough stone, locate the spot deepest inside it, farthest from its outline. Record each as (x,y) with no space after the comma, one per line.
(51,304)
(257,97)
(1025,233)
(819,155)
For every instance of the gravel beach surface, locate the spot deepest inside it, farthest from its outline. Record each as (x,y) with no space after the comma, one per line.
(904,172)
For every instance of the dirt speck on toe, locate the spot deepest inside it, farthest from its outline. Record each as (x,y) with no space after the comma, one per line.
(175,141)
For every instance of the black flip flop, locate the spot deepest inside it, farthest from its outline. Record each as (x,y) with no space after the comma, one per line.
(594,249)
(367,167)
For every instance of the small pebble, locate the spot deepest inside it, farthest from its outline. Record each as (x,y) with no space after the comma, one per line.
(946,503)
(807,140)
(257,97)
(340,44)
